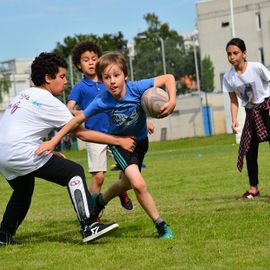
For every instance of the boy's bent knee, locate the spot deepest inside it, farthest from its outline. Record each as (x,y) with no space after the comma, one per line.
(140,187)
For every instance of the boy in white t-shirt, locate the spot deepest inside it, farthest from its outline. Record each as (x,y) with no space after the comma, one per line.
(248,81)
(30,117)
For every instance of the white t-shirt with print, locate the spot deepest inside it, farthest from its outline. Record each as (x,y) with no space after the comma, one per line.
(252,86)
(30,117)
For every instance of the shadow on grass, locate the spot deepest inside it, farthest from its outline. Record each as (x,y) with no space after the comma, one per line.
(228,198)
(65,232)
(133,232)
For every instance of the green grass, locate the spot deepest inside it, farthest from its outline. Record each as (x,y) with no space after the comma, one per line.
(195,185)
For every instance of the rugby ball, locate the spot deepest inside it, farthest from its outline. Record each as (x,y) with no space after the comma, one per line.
(152,100)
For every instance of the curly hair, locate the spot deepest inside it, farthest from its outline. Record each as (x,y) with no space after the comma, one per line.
(82,47)
(111,58)
(46,64)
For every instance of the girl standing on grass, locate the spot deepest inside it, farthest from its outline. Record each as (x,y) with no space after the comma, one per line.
(248,81)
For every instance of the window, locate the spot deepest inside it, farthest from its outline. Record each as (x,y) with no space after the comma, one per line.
(225,24)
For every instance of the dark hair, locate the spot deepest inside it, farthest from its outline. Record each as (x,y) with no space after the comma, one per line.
(108,59)
(46,64)
(82,47)
(237,42)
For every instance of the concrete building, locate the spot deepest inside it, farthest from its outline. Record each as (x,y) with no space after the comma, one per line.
(189,120)
(218,21)
(18,71)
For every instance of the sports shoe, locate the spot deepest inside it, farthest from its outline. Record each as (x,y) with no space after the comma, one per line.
(97,230)
(249,195)
(126,201)
(6,239)
(164,231)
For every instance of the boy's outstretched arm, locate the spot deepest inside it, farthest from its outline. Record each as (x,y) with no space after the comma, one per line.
(168,81)
(48,146)
(74,125)
(126,142)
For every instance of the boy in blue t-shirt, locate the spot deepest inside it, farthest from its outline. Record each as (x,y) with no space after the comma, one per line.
(84,57)
(122,102)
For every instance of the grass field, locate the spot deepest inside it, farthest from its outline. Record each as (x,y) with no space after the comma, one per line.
(195,185)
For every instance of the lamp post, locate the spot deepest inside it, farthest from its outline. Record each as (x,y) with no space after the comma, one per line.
(131,54)
(163,54)
(161,40)
(71,70)
(206,108)
(194,39)
(232,18)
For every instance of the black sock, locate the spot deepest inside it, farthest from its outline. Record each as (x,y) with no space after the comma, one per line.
(101,201)
(159,222)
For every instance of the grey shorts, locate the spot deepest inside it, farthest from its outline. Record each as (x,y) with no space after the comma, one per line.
(97,157)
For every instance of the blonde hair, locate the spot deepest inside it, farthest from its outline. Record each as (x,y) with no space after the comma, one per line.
(111,58)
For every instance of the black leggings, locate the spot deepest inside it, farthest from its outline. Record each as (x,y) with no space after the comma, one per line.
(57,170)
(252,154)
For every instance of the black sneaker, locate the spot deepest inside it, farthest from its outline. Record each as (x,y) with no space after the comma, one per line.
(6,239)
(249,195)
(126,201)
(97,230)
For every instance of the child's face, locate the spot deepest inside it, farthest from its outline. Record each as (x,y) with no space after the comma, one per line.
(88,63)
(235,55)
(114,79)
(56,85)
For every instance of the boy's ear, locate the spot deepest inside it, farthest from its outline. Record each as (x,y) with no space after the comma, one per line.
(48,78)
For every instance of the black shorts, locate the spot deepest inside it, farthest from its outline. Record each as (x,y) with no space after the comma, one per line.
(125,158)
(57,170)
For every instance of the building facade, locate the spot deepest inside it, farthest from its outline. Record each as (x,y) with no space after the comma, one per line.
(220,20)
(18,71)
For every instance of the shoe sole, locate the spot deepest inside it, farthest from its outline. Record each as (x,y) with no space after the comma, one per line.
(101,233)
(249,196)
(166,237)
(128,209)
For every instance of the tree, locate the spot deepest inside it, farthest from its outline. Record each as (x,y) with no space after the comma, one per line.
(148,58)
(148,61)
(207,75)
(4,85)
(107,42)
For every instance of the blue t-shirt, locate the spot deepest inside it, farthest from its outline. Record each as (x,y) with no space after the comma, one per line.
(84,92)
(126,115)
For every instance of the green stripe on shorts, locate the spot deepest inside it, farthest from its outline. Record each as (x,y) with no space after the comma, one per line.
(118,158)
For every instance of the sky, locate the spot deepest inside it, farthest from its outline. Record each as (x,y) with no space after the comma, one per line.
(30,27)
